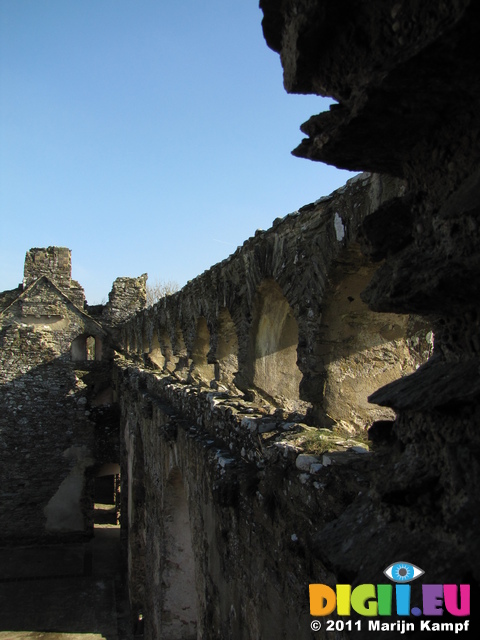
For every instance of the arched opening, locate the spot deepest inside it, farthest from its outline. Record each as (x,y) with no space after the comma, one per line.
(226,365)
(86,348)
(180,354)
(145,345)
(139,336)
(132,342)
(90,348)
(155,355)
(273,349)
(201,371)
(167,350)
(361,350)
(103,397)
(179,597)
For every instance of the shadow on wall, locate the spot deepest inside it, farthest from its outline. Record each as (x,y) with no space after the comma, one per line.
(179,609)
(324,365)
(49,408)
(361,350)
(271,366)
(200,369)
(136,517)
(172,598)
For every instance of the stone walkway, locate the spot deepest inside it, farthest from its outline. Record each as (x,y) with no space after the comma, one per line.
(64,592)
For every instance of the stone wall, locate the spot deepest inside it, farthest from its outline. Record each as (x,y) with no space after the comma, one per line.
(248,391)
(58,424)
(55,263)
(317,287)
(282,319)
(243,398)
(126,298)
(405,75)
(223,509)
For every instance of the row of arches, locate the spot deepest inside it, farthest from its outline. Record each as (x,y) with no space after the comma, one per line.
(325,363)
(265,363)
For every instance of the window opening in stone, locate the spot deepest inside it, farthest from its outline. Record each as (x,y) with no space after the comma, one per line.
(166,346)
(179,601)
(90,347)
(86,348)
(180,354)
(145,344)
(131,341)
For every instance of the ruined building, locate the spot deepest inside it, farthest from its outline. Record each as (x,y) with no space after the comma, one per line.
(306,410)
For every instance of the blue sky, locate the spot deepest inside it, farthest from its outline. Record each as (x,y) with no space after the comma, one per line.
(145,135)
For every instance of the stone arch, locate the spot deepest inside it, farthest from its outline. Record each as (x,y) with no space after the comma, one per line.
(167,349)
(139,335)
(145,334)
(180,353)
(201,370)
(131,341)
(361,350)
(226,365)
(155,354)
(179,597)
(86,347)
(272,358)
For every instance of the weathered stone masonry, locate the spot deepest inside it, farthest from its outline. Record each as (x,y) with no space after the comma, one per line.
(212,388)
(226,475)
(405,75)
(242,400)
(57,424)
(282,318)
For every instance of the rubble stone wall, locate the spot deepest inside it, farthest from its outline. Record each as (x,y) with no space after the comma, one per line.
(254,504)
(250,386)
(282,318)
(244,398)
(405,76)
(58,423)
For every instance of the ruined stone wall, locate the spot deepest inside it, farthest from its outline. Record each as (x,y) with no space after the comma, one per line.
(282,318)
(55,263)
(244,397)
(47,436)
(222,509)
(405,75)
(247,391)
(58,423)
(126,298)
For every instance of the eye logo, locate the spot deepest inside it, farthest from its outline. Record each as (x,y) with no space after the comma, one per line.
(378,600)
(403,572)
